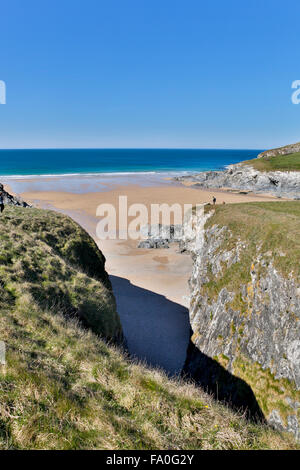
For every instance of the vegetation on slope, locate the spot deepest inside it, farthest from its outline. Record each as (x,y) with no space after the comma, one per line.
(289,162)
(48,261)
(63,387)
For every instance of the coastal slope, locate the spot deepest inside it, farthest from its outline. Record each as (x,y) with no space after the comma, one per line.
(49,262)
(245,310)
(285,150)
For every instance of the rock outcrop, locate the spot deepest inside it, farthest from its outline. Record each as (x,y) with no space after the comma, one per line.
(245,178)
(13,200)
(261,175)
(160,236)
(245,311)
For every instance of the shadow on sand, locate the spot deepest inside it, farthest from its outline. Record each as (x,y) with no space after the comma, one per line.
(157,331)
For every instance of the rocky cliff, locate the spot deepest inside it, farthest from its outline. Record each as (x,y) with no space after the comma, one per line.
(246,178)
(12,200)
(245,310)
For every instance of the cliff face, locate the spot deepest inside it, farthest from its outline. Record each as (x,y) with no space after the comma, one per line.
(49,263)
(245,310)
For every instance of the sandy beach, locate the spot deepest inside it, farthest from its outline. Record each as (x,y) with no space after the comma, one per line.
(151,286)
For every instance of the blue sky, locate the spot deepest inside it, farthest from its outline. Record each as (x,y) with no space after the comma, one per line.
(149,73)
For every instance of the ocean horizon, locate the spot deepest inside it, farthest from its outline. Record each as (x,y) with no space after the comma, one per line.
(20,163)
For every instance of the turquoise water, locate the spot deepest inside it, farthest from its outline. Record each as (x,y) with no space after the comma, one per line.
(93,161)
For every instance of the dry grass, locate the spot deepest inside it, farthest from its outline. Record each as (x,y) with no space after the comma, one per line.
(64,388)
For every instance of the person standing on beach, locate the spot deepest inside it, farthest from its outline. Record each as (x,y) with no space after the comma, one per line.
(1,203)
(214,200)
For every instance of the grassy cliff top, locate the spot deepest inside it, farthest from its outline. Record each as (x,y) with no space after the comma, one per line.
(290,162)
(63,387)
(268,228)
(285,158)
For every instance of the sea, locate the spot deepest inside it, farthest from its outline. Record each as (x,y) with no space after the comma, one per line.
(51,162)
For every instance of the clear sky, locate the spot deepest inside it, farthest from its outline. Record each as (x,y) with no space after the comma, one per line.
(149,73)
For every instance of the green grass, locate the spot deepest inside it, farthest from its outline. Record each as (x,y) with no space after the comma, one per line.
(289,162)
(63,386)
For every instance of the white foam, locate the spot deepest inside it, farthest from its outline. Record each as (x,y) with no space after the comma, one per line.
(102,174)
(63,175)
